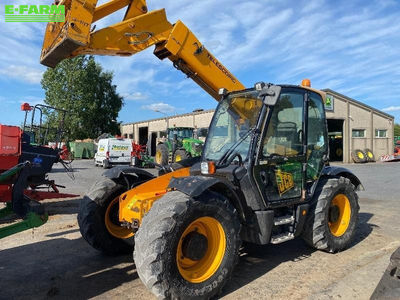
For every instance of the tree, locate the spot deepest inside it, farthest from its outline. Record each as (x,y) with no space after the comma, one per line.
(396,129)
(80,86)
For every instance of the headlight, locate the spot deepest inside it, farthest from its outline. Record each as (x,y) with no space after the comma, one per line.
(207,167)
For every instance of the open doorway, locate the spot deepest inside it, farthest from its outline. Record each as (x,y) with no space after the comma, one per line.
(335,133)
(153,144)
(143,135)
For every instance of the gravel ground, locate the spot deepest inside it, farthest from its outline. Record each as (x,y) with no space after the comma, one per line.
(53,261)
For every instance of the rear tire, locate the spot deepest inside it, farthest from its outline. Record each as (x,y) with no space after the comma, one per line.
(92,214)
(161,155)
(329,226)
(106,164)
(180,155)
(359,156)
(370,155)
(162,261)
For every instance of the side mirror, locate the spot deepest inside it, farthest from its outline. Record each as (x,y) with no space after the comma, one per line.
(270,93)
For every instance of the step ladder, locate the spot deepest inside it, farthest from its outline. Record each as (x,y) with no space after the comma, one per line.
(285,236)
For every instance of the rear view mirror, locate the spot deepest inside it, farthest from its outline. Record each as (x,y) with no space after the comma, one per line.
(270,93)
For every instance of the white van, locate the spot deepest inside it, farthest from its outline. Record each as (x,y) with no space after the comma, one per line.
(113,151)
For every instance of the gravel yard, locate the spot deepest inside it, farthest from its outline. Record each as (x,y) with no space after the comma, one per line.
(53,261)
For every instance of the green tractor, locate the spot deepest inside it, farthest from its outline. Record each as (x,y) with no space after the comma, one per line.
(179,145)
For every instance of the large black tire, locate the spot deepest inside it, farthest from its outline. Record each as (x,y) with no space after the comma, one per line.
(359,156)
(162,155)
(157,244)
(180,154)
(91,218)
(370,155)
(317,232)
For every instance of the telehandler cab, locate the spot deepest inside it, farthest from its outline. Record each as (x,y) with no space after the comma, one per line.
(263,177)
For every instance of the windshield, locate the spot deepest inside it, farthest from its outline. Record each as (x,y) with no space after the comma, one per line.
(235,116)
(181,133)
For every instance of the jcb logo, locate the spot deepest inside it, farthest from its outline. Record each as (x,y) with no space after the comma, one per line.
(284,181)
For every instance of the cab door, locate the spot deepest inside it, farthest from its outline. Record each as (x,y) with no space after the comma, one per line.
(279,171)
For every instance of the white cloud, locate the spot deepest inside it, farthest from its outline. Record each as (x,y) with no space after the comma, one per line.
(136,96)
(391,108)
(160,107)
(22,73)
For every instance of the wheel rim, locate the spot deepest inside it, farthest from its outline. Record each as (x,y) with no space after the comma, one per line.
(197,271)
(158,157)
(360,155)
(370,155)
(339,215)
(112,223)
(178,157)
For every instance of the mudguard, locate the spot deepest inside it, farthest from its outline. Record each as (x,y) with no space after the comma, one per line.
(117,171)
(340,171)
(193,186)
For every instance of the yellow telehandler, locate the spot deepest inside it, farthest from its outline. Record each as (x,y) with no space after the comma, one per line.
(264,175)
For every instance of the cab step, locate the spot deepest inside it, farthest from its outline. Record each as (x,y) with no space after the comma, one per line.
(283,237)
(283,220)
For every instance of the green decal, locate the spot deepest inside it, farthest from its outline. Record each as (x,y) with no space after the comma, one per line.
(34,13)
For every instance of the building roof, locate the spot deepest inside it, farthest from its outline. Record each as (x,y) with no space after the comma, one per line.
(170,117)
(358,103)
(212,110)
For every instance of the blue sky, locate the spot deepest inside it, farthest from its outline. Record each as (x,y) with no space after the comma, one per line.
(352,47)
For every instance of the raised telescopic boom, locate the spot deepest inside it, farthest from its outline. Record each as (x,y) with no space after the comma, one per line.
(138,30)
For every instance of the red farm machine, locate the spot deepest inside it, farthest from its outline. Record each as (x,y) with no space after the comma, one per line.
(25,161)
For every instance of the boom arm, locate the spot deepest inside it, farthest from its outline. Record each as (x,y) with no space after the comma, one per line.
(138,30)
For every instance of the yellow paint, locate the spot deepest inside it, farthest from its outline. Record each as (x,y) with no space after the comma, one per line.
(135,203)
(158,157)
(284,181)
(201,270)
(360,155)
(137,31)
(339,227)
(116,229)
(178,157)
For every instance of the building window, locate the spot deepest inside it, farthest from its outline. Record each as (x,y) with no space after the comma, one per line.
(380,133)
(125,135)
(131,136)
(163,134)
(359,133)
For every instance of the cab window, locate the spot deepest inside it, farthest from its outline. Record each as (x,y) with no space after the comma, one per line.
(284,131)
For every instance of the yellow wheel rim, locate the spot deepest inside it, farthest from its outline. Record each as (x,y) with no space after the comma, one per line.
(339,223)
(178,157)
(360,155)
(158,157)
(110,219)
(200,270)
(369,154)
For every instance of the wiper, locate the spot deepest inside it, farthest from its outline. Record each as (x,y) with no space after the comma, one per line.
(228,152)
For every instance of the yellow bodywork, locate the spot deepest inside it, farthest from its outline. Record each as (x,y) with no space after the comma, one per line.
(138,30)
(135,203)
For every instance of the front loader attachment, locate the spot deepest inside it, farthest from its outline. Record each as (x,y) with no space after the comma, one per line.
(137,31)
(63,38)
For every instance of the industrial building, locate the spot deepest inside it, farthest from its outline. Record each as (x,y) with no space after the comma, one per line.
(352,125)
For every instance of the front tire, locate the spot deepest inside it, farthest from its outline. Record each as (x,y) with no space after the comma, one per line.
(187,248)
(98,219)
(162,155)
(333,218)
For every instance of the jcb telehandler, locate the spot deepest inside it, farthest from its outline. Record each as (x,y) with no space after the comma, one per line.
(264,175)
